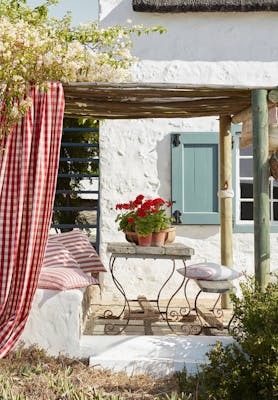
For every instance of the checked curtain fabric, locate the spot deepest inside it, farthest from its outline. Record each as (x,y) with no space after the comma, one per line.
(28,172)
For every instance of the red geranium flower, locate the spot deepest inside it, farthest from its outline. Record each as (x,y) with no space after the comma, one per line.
(141,213)
(132,205)
(139,199)
(158,201)
(147,205)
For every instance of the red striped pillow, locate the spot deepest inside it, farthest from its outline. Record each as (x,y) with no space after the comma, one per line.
(64,279)
(57,255)
(81,249)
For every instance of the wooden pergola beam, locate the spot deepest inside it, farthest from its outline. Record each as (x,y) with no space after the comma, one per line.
(242,116)
(131,100)
(91,112)
(246,114)
(164,86)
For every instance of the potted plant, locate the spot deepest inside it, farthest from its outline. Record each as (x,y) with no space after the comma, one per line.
(145,218)
(126,218)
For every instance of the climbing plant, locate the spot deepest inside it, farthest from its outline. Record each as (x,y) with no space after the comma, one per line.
(35,48)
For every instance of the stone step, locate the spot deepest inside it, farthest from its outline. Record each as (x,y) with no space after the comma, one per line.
(158,356)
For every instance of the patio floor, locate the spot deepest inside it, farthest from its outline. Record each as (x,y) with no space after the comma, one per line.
(145,319)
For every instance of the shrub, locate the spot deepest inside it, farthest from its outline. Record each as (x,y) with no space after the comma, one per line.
(248,368)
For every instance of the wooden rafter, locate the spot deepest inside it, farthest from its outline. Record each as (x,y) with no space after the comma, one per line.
(134,100)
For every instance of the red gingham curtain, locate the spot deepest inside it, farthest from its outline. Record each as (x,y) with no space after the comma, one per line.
(28,172)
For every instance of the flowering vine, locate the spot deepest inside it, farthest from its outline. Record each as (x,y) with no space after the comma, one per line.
(35,48)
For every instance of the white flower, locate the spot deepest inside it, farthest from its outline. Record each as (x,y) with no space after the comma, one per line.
(14,113)
(17,78)
(35,48)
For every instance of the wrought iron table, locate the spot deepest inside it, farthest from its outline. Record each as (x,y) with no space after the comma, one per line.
(171,252)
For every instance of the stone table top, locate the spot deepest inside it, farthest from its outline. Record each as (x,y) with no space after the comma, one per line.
(131,250)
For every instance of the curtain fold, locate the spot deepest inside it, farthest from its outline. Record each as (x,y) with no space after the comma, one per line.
(28,173)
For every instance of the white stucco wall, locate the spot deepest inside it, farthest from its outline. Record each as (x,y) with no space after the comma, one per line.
(218,48)
(55,321)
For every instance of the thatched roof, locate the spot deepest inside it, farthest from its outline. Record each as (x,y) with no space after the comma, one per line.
(153,100)
(178,6)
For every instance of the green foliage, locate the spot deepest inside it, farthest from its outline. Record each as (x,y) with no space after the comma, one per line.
(144,225)
(152,222)
(124,224)
(37,48)
(161,221)
(248,368)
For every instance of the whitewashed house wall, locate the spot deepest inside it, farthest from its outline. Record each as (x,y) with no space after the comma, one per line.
(199,48)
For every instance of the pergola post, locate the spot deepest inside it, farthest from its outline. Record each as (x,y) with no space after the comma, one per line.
(261,187)
(226,203)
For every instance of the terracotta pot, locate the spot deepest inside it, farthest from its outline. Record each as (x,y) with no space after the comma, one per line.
(170,234)
(131,237)
(145,240)
(158,238)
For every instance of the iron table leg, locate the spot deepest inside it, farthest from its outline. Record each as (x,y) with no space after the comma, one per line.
(109,313)
(174,313)
(162,287)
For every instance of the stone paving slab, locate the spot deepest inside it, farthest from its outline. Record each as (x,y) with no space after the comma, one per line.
(171,249)
(145,324)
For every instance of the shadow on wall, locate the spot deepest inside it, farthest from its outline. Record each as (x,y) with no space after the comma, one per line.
(164,176)
(195,37)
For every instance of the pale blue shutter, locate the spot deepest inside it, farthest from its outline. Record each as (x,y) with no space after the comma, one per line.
(195,168)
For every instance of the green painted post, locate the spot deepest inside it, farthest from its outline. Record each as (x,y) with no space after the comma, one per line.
(261,186)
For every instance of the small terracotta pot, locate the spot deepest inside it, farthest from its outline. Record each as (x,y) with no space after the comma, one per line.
(170,234)
(131,237)
(158,238)
(145,240)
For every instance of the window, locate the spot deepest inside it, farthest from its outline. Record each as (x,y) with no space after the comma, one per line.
(195,181)
(195,170)
(76,202)
(243,185)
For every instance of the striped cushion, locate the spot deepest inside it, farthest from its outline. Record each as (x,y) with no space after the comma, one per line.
(81,249)
(57,255)
(64,279)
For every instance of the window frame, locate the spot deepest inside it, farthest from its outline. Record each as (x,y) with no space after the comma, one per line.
(241,226)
